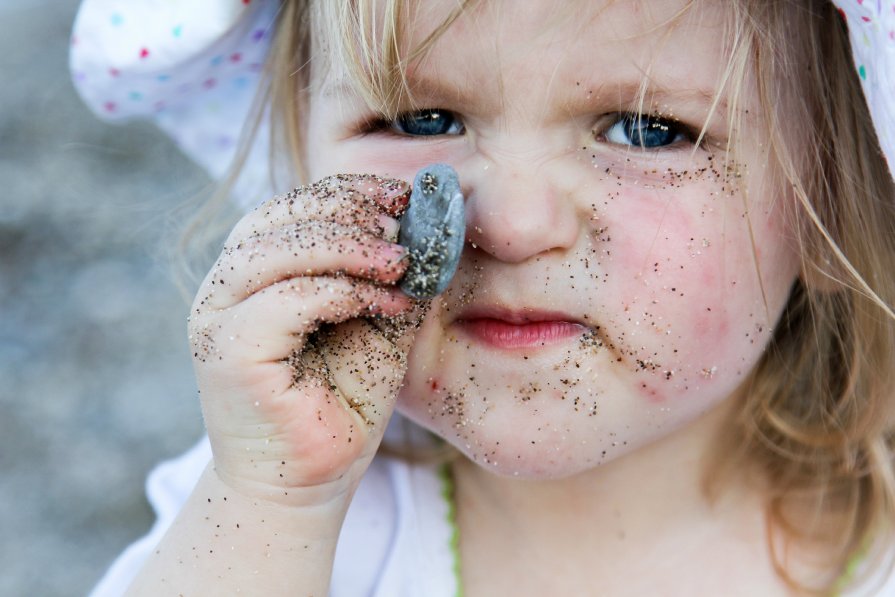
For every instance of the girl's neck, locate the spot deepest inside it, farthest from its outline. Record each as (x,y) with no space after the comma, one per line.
(644,516)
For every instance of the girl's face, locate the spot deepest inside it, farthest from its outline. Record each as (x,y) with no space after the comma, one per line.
(617,281)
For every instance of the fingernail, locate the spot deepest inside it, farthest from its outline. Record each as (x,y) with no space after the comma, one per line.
(395,254)
(390,227)
(394,187)
(395,194)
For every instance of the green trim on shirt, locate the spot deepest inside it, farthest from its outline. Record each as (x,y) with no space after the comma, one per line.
(446,474)
(848,575)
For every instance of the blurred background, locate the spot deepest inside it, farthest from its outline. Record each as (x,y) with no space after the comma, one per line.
(95,377)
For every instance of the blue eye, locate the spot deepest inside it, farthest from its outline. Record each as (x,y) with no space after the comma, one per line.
(427,123)
(647,132)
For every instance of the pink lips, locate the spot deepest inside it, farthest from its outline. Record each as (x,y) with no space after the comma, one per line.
(503,328)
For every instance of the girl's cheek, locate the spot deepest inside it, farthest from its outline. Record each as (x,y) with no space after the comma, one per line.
(666,259)
(676,281)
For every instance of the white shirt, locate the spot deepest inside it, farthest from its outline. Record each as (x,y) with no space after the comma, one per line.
(395,542)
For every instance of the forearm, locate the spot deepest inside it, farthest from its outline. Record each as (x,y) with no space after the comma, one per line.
(225,543)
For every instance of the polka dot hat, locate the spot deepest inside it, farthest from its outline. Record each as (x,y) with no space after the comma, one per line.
(871,28)
(193,66)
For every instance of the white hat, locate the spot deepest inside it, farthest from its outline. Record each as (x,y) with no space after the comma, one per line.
(193,67)
(871,29)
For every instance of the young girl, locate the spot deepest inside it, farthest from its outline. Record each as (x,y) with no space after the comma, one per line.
(664,365)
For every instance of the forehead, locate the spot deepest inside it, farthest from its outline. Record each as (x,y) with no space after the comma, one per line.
(667,43)
(568,24)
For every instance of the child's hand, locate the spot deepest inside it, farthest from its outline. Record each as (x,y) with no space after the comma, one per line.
(295,405)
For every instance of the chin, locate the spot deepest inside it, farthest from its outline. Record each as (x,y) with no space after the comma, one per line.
(515,444)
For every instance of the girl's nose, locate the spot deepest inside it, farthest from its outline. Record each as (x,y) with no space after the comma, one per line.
(514,213)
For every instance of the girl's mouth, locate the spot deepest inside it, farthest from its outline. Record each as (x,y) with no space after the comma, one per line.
(508,329)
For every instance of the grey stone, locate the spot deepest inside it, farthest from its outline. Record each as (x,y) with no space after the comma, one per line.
(434,230)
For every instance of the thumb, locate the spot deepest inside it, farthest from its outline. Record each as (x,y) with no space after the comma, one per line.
(367,360)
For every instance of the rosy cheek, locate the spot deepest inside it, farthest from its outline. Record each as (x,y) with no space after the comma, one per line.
(658,257)
(650,232)
(667,277)
(710,328)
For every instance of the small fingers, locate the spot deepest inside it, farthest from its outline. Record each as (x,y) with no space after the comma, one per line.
(350,200)
(389,194)
(364,367)
(274,323)
(308,249)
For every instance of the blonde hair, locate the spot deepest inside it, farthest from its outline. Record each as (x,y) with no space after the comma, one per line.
(819,408)
(816,415)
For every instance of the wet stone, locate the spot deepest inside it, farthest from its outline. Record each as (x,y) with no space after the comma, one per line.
(433,230)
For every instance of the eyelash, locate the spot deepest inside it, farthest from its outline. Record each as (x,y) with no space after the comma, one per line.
(645,123)
(384,125)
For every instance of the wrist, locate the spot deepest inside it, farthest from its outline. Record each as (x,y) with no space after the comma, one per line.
(326,496)
(306,509)
(226,540)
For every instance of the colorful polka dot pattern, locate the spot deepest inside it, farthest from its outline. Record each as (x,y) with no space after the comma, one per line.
(193,66)
(871,28)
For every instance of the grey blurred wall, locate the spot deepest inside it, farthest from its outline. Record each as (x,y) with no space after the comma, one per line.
(95,378)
